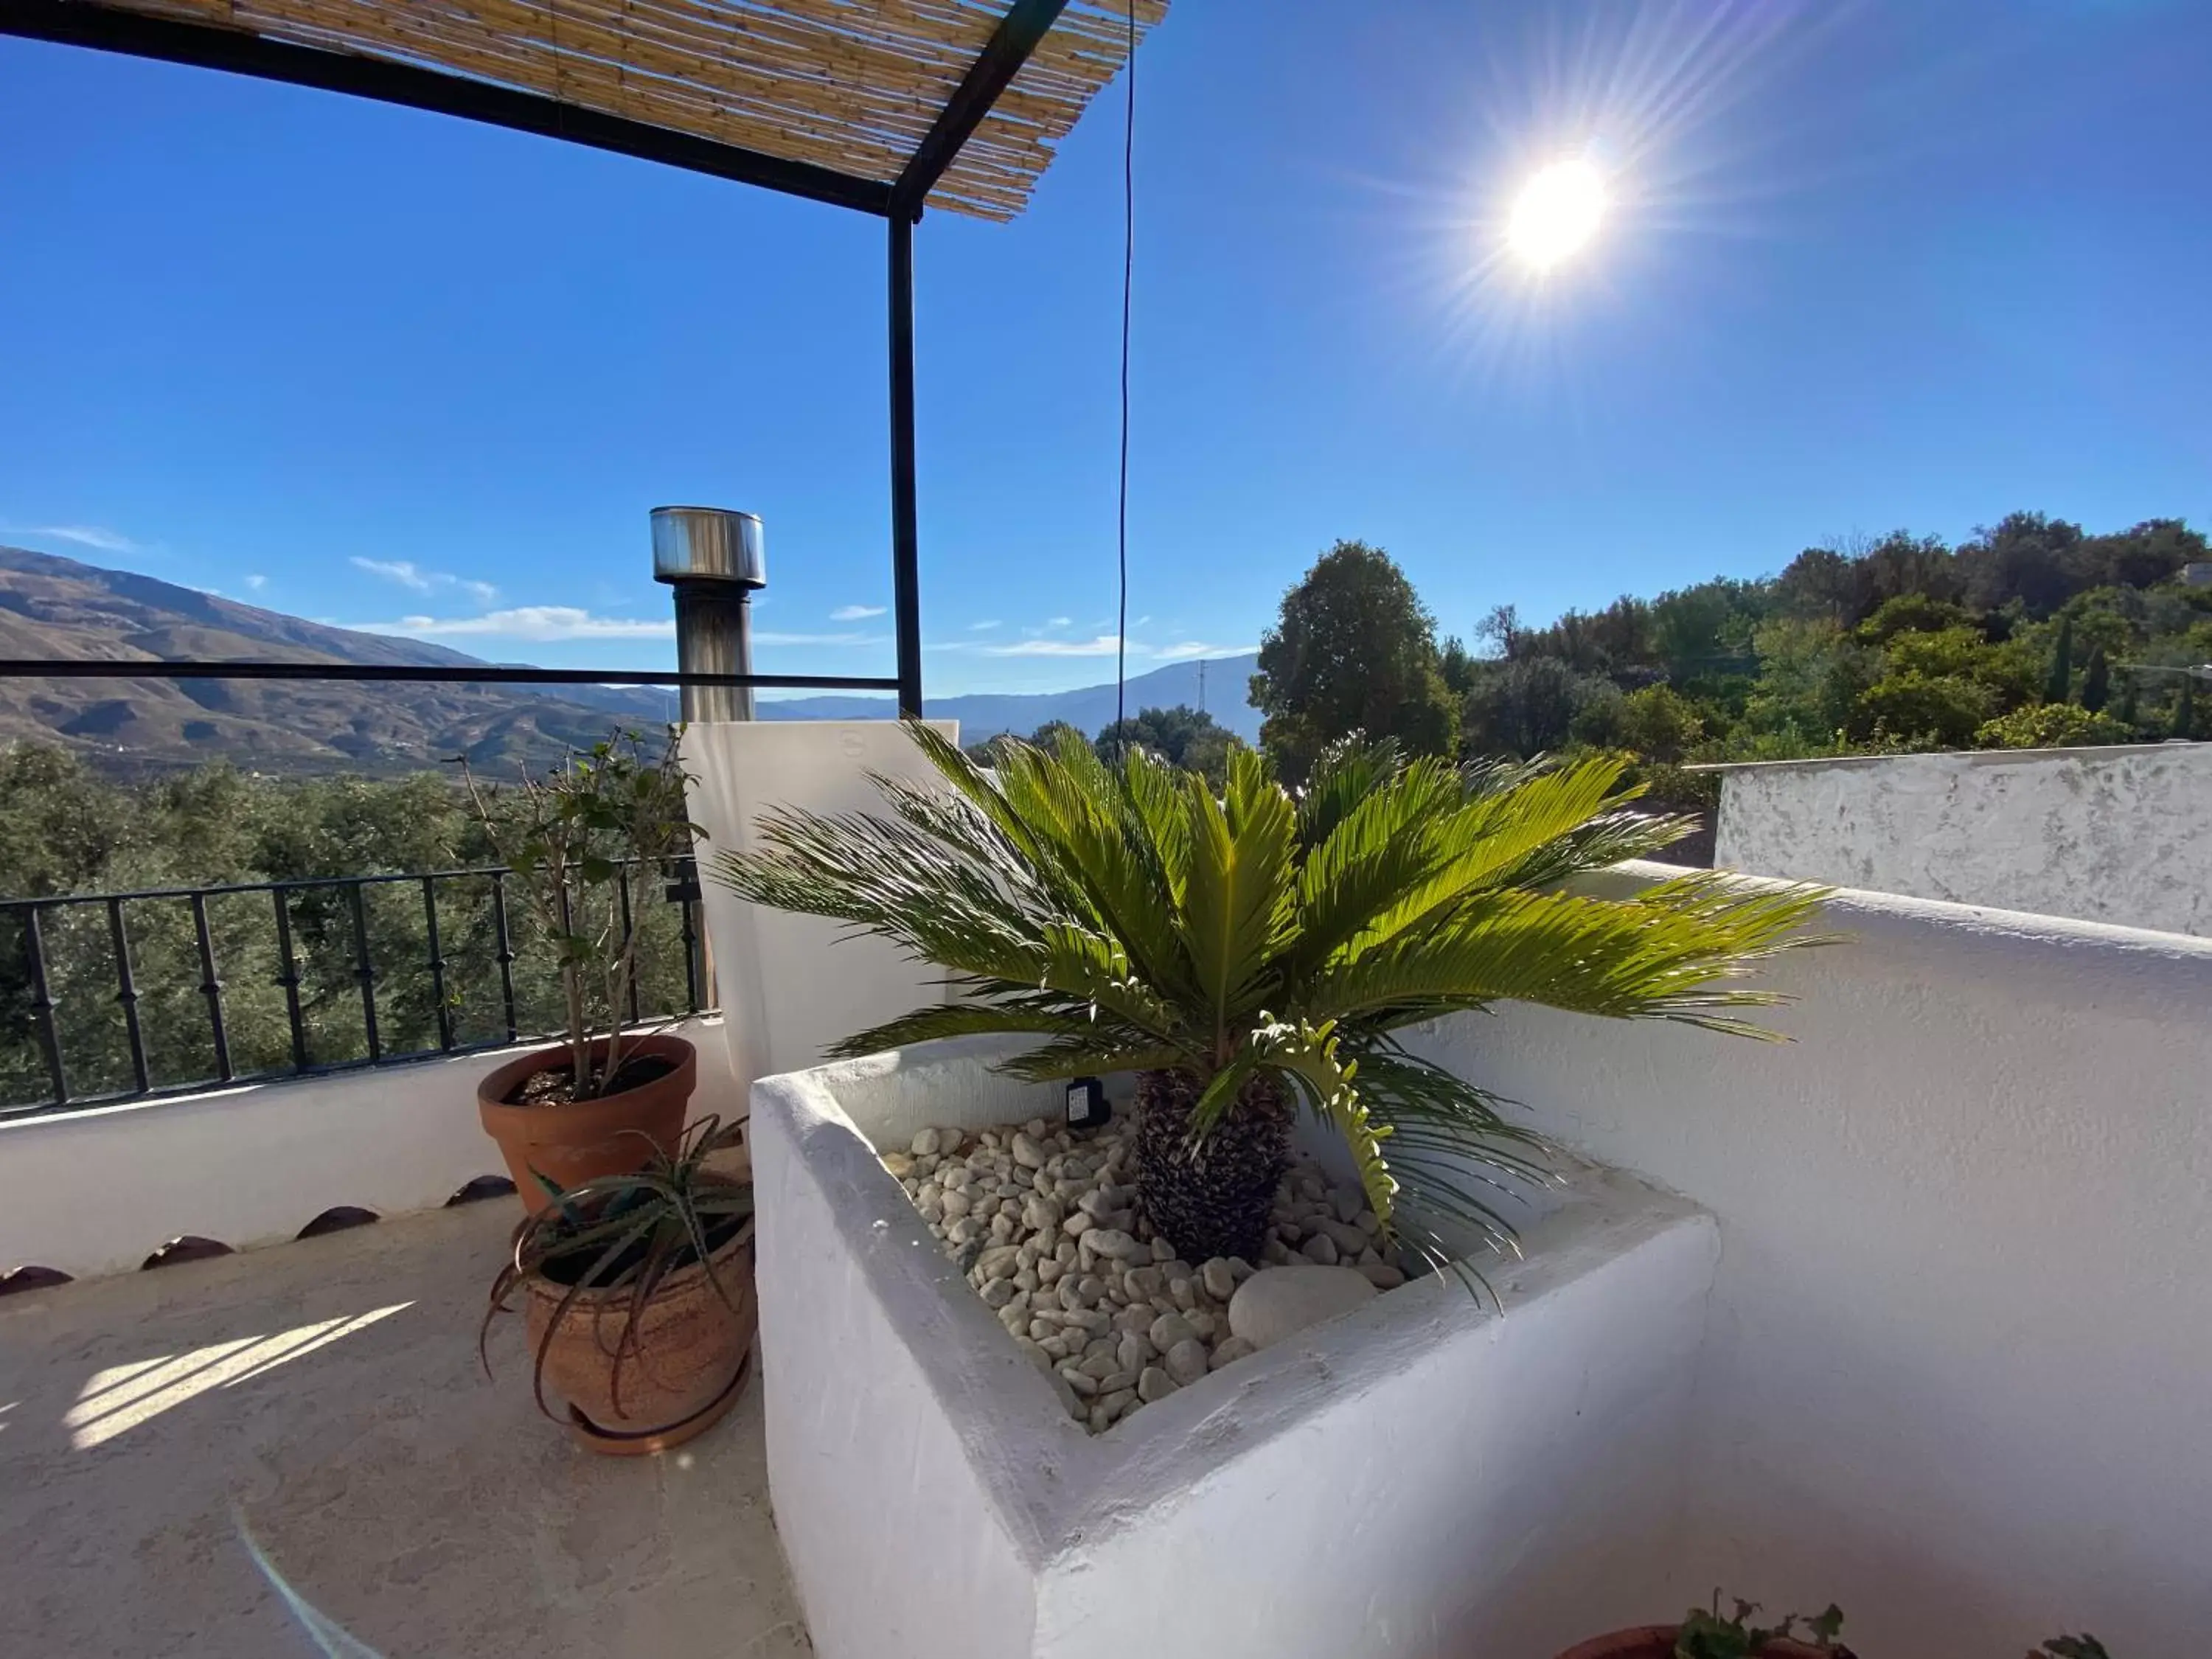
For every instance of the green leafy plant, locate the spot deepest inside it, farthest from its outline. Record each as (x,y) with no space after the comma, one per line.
(622,1237)
(2084,1646)
(1253,952)
(1706,1635)
(567,836)
(2050,726)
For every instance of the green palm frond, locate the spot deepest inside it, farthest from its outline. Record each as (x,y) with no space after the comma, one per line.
(1126,918)
(1671,953)
(1237,906)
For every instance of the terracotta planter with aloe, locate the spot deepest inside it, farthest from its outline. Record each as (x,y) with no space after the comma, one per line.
(607,1098)
(637,1296)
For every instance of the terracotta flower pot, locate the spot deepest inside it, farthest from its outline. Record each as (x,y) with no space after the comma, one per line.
(691,1347)
(575,1141)
(1657,1642)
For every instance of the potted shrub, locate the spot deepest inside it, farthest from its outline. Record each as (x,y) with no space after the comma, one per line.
(1704,1634)
(600,1101)
(637,1293)
(1253,953)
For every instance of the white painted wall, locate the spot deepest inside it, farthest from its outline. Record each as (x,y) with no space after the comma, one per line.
(1958,1369)
(97,1192)
(2121,834)
(792,985)
(1418,1478)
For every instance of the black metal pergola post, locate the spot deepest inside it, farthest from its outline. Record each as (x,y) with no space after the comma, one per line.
(1026,22)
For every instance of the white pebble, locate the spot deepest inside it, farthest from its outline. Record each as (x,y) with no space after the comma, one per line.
(1169,1329)
(1112,1242)
(1187,1361)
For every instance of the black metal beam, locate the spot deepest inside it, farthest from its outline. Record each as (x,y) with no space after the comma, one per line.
(82,24)
(110,668)
(906,535)
(1025,24)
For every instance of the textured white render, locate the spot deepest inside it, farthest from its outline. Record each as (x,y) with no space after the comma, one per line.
(2121,834)
(1419,1478)
(97,1192)
(789,985)
(1958,1371)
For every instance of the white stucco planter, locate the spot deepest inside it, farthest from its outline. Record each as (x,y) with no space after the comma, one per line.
(1419,1478)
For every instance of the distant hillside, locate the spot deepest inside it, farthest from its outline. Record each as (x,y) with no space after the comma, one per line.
(1224,694)
(56,607)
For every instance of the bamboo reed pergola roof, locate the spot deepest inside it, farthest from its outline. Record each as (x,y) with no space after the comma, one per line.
(854,90)
(881,106)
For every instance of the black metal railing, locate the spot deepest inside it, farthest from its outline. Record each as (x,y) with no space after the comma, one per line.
(301,978)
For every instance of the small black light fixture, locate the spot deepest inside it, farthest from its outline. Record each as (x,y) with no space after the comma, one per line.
(1086,1103)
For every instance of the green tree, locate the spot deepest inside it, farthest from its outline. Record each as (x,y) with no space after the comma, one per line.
(1940,711)
(1354,651)
(1181,736)
(2059,687)
(2050,726)
(2096,680)
(2185,709)
(1458,667)
(1251,956)
(1530,706)
(1659,723)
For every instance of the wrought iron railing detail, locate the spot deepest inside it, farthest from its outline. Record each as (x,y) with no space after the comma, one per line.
(365,979)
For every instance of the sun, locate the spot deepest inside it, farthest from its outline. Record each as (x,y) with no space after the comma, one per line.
(1557,213)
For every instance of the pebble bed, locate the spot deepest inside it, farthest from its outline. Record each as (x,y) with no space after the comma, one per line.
(1043,1222)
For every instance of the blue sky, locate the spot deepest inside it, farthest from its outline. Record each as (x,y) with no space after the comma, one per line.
(1868,265)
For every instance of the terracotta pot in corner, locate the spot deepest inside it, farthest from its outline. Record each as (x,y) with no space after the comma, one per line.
(1657,1642)
(573,1142)
(682,1375)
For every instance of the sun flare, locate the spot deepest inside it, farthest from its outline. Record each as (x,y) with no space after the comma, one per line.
(1556,214)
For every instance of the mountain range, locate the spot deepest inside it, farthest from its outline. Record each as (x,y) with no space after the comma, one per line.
(56,607)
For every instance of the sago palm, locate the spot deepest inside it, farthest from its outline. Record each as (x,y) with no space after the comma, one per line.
(1253,953)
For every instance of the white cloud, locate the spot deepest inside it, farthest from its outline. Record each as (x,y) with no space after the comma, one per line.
(822,639)
(1060,621)
(977,627)
(97,538)
(1101,645)
(409,575)
(402,571)
(1104,645)
(257,582)
(528,622)
(855,613)
(1190,648)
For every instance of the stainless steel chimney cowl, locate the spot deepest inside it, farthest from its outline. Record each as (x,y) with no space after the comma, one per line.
(714,558)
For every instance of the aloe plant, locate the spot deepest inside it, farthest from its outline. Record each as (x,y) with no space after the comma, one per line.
(1253,952)
(624,1236)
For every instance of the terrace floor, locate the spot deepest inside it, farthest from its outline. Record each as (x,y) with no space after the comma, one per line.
(321,1403)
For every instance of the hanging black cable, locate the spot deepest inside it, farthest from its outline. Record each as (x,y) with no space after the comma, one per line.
(1128,270)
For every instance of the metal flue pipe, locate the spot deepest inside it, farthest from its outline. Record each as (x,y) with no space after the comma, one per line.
(714,558)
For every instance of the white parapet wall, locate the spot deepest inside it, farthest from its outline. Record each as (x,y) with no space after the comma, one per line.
(97,1191)
(1419,1478)
(1958,1374)
(2122,835)
(791,984)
